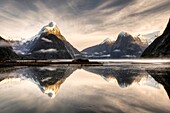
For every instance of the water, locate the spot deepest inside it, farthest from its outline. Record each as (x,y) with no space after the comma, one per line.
(115,88)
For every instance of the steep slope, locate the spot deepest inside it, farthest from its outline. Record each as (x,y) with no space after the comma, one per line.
(101,50)
(160,48)
(127,46)
(54,48)
(50,44)
(6,51)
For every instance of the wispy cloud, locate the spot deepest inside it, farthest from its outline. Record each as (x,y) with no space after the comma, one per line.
(82,21)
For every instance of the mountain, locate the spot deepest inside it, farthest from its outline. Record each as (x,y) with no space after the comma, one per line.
(151,36)
(6,51)
(101,50)
(49,44)
(160,48)
(127,46)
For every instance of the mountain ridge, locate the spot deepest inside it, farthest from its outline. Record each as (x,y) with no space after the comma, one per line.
(49,43)
(126,46)
(160,48)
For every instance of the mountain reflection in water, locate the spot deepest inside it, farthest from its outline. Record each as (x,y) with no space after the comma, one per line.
(88,89)
(124,76)
(48,79)
(162,76)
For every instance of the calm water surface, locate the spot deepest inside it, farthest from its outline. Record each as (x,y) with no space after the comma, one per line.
(123,88)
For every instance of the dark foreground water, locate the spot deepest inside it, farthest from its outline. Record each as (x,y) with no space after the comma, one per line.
(120,88)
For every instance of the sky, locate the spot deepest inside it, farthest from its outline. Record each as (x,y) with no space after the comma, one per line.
(83,22)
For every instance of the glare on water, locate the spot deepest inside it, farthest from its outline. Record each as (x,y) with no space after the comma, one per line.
(115,88)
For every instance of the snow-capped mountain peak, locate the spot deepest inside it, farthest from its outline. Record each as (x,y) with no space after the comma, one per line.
(46,34)
(52,24)
(124,37)
(123,33)
(51,28)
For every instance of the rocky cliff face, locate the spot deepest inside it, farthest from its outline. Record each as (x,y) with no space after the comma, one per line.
(50,44)
(127,46)
(6,51)
(48,47)
(160,48)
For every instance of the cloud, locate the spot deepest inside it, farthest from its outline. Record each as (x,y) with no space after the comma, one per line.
(82,21)
(162,7)
(4,44)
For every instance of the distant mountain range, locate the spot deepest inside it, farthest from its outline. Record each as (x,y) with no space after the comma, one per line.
(126,46)
(49,43)
(101,50)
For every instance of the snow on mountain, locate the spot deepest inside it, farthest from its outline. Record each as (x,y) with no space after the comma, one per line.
(51,28)
(47,40)
(123,34)
(48,44)
(150,37)
(127,46)
(160,47)
(46,50)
